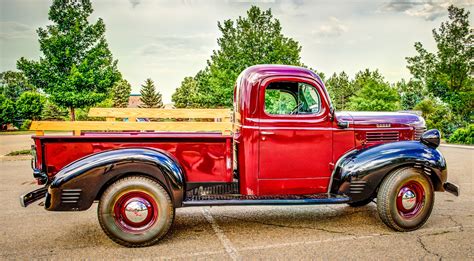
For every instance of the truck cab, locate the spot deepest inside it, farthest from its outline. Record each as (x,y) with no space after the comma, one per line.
(288,146)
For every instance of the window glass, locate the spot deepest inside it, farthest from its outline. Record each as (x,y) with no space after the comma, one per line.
(291,98)
(279,102)
(309,102)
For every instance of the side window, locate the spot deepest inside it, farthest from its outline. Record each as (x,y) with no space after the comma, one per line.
(291,98)
(279,102)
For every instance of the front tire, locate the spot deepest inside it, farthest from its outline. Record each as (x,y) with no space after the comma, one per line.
(135,211)
(405,199)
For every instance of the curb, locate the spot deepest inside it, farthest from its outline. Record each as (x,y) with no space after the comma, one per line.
(466,147)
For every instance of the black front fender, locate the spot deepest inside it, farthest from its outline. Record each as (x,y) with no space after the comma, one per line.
(359,172)
(78,184)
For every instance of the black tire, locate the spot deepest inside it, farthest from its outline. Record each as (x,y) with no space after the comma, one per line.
(361,203)
(125,201)
(396,205)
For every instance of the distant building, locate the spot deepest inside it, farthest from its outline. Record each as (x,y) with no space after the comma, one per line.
(134,102)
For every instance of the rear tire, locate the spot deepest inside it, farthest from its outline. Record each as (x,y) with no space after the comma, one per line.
(135,211)
(405,199)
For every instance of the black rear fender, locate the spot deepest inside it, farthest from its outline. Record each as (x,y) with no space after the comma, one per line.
(78,184)
(359,172)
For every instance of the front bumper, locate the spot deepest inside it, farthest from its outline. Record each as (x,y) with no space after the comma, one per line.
(451,188)
(33,196)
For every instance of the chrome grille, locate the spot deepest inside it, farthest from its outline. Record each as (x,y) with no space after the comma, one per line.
(418,132)
(70,196)
(388,136)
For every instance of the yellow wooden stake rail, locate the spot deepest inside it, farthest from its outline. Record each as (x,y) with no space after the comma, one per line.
(78,126)
(133,113)
(221,122)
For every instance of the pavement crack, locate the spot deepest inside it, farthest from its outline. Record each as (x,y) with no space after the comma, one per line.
(290,226)
(422,244)
(457,224)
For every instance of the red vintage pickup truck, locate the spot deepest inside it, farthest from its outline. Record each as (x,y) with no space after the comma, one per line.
(288,147)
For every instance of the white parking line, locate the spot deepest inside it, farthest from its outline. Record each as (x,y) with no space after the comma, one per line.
(229,248)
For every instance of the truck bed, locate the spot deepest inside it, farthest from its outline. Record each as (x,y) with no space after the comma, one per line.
(204,156)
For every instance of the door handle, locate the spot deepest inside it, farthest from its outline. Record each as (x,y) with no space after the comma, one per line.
(267,133)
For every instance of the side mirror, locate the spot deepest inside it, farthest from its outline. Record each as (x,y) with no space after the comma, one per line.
(431,138)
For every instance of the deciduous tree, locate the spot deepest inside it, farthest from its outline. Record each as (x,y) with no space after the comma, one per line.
(447,73)
(13,84)
(256,38)
(7,110)
(373,94)
(30,105)
(77,68)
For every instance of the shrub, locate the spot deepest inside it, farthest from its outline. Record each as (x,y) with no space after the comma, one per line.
(463,135)
(7,110)
(30,105)
(26,125)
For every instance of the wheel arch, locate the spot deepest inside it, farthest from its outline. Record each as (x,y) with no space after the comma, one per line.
(103,168)
(359,173)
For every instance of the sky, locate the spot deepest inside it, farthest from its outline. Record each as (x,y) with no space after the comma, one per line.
(169,40)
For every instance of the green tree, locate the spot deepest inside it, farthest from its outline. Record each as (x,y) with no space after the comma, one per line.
(340,89)
(30,105)
(411,93)
(13,84)
(121,94)
(186,95)
(77,68)
(373,93)
(438,115)
(51,111)
(7,110)
(254,39)
(447,74)
(150,97)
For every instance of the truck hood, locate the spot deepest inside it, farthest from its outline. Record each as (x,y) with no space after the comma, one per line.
(372,119)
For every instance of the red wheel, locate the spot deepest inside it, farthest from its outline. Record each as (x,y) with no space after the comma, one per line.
(410,199)
(135,211)
(405,199)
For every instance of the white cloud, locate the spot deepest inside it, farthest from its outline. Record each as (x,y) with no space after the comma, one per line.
(333,28)
(426,9)
(134,3)
(14,30)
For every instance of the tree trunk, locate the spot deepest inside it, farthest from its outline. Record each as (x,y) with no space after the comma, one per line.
(73,113)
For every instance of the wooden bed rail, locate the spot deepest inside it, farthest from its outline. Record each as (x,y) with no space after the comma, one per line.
(133,113)
(221,121)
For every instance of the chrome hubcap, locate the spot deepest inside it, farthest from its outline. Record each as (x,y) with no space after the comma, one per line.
(136,211)
(408,199)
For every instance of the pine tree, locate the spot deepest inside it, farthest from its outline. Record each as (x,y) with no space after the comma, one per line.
(150,97)
(121,93)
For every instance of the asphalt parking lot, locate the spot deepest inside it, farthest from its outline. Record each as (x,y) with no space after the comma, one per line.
(289,232)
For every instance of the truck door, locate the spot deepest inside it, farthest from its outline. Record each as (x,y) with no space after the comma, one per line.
(295,137)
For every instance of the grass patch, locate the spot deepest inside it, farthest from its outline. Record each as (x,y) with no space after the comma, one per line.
(19,152)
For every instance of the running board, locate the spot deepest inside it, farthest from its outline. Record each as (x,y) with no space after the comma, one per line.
(244,200)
